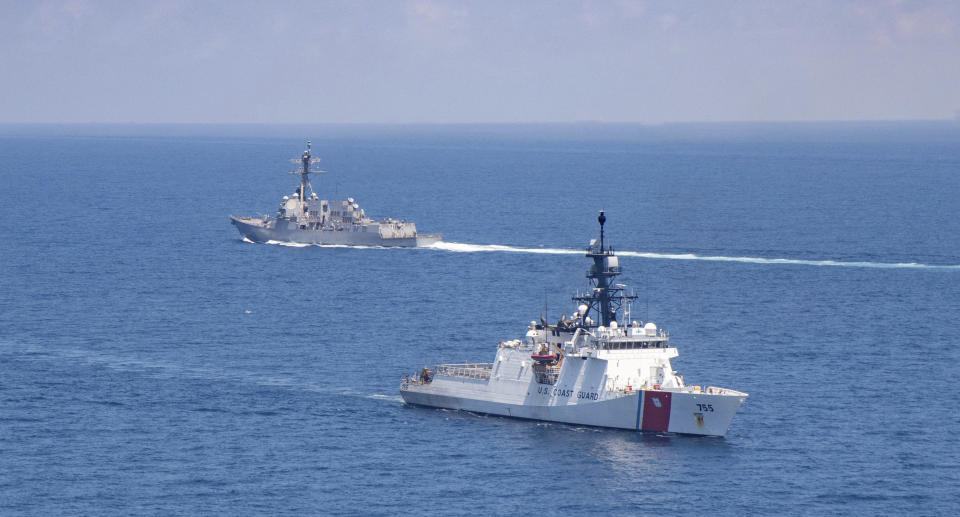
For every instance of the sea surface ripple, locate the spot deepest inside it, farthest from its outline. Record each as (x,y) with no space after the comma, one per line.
(151,362)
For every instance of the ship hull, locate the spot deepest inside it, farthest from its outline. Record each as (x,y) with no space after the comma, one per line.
(644,410)
(255,230)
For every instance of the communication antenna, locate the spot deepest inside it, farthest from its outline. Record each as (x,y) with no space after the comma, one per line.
(628,312)
(601,219)
(546,311)
(543,315)
(305,161)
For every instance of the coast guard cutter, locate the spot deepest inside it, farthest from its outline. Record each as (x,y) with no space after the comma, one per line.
(306,219)
(606,372)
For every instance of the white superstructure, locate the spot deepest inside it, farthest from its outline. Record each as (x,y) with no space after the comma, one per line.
(608,371)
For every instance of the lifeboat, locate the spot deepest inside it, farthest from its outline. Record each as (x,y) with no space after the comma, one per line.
(544,358)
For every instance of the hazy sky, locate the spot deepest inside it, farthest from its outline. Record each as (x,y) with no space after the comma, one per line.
(478,61)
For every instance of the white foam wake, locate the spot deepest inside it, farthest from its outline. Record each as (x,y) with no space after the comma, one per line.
(463,247)
(459,247)
(289,244)
(313,244)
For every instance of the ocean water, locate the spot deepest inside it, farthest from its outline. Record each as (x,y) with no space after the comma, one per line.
(151,362)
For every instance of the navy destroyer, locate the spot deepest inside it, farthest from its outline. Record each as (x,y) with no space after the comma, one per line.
(594,368)
(304,218)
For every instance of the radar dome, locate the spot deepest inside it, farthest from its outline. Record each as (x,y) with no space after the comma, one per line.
(613,324)
(582,309)
(650,329)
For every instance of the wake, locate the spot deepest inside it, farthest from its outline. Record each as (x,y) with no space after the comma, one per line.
(169,370)
(458,247)
(462,247)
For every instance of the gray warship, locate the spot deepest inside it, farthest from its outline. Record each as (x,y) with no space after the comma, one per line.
(306,219)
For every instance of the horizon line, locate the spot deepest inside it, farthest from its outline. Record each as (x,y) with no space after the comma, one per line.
(955,119)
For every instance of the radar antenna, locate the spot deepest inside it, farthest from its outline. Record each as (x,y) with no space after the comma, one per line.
(305,161)
(604,297)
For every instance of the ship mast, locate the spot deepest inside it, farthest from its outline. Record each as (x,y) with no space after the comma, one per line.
(304,171)
(606,298)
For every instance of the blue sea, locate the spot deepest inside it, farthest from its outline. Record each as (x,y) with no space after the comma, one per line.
(153,363)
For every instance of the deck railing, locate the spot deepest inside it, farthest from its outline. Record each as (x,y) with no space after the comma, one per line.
(478,371)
